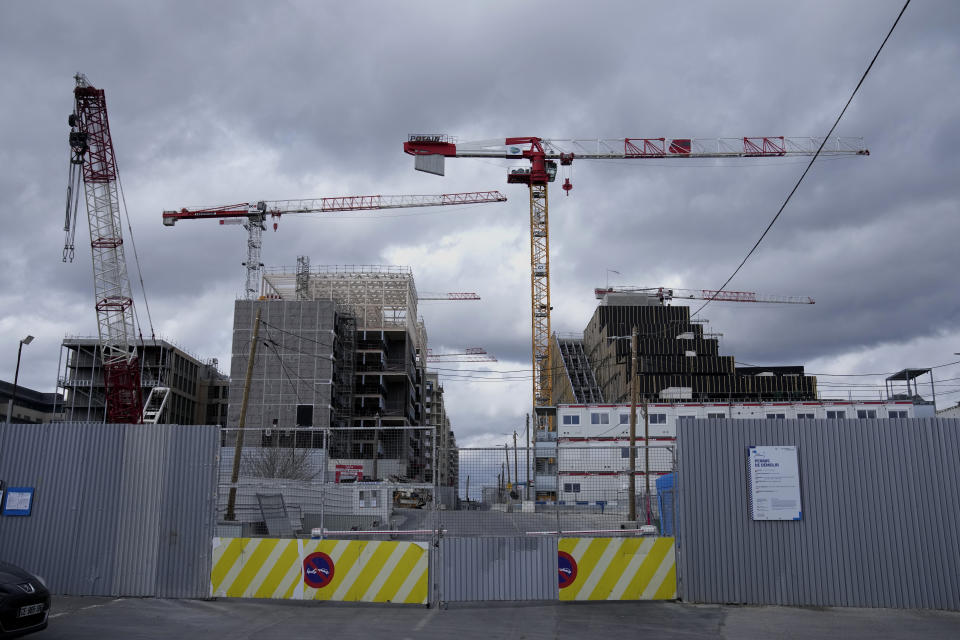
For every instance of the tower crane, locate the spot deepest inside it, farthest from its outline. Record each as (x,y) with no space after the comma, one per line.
(431,150)
(253,216)
(470,354)
(453,295)
(92,161)
(665,294)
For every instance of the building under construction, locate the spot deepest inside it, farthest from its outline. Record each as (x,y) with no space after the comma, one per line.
(676,360)
(198,391)
(339,347)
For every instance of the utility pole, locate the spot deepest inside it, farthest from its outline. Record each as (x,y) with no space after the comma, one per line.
(238,444)
(516,471)
(632,486)
(527,493)
(506,453)
(646,451)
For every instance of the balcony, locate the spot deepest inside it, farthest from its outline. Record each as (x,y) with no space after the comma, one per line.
(369,390)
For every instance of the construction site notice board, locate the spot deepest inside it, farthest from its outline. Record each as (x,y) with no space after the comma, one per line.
(773,475)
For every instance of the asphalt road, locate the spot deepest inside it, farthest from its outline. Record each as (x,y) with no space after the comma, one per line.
(133,618)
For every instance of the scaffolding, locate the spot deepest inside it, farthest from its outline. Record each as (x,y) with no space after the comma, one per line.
(378,296)
(343,374)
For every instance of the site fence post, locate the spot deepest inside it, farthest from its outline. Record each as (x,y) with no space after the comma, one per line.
(677,554)
(556,471)
(323,481)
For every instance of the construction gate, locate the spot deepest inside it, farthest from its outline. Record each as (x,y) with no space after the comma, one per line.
(309,522)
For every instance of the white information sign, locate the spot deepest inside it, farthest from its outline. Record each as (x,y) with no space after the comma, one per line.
(774,477)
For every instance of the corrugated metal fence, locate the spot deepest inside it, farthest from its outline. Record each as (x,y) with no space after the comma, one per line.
(880,525)
(118,509)
(502,568)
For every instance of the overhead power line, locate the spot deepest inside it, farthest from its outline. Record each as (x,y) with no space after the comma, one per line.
(809,164)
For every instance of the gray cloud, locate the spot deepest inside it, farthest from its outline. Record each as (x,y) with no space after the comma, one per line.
(222,102)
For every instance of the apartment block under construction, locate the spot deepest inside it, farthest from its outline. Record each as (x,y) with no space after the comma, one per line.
(339,347)
(198,391)
(676,360)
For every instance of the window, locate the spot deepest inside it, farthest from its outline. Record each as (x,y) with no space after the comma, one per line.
(544,465)
(599,418)
(624,418)
(304,415)
(658,418)
(716,416)
(897,414)
(369,499)
(624,452)
(805,416)
(571,487)
(571,419)
(686,418)
(836,415)
(776,416)
(864,414)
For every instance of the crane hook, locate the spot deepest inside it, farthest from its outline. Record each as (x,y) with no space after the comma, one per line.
(567,186)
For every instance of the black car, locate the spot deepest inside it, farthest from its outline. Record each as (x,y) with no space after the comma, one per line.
(24,602)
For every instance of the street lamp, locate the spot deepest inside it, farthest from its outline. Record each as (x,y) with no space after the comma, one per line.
(16,376)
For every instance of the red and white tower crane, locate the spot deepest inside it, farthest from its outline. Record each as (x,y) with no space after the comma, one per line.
(92,161)
(667,294)
(253,216)
(431,150)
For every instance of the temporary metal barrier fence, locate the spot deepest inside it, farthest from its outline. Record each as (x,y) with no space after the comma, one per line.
(329,482)
(493,526)
(116,509)
(878,521)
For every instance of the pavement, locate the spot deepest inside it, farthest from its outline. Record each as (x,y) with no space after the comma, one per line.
(79,618)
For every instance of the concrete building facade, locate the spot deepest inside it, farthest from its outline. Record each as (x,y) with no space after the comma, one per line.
(447,456)
(340,348)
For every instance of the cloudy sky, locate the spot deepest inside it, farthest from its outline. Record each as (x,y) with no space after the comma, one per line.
(220,102)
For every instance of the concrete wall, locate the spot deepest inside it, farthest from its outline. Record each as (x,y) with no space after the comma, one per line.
(880,507)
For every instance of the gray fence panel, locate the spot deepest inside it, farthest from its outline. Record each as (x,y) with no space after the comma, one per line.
(99,505)
(138,514)
(509,568)
(189,487)
(880,512)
